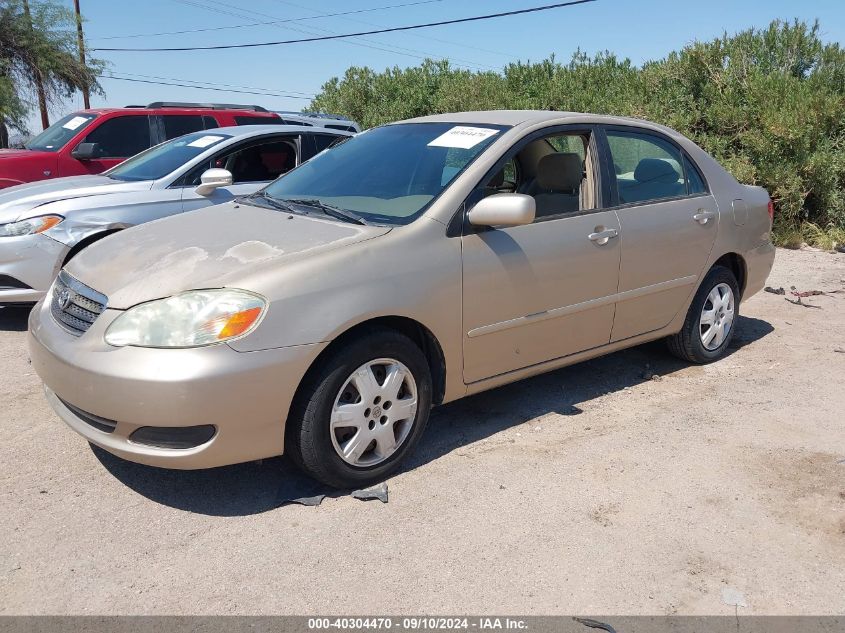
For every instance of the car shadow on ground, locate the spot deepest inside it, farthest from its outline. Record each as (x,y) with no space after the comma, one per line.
(257,487)
(14,318)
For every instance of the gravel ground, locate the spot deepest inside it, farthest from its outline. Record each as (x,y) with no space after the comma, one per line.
(593,489)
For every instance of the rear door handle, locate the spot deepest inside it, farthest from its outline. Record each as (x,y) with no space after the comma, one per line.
(703,217)
(603,237)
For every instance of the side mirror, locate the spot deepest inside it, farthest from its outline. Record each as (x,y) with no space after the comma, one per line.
(503,209)
(86,151)
(212,179)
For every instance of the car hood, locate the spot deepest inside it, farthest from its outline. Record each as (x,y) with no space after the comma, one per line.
(22,153)
(222,246)
(19,201)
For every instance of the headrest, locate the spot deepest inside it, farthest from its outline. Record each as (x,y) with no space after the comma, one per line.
(656,170)
(561,171)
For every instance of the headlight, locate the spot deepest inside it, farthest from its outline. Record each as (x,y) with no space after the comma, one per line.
(190,319)
(29,226)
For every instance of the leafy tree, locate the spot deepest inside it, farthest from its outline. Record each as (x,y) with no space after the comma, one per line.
(38,41)
(767,103)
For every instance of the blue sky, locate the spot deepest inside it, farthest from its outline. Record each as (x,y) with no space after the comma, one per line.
(640,30)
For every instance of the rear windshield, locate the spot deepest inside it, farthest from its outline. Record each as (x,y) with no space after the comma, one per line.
(388,174)
(163,159)
(57,135)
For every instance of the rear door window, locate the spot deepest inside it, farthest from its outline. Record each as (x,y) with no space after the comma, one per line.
(646,166)
(121,137)
(179,124)
(324,141)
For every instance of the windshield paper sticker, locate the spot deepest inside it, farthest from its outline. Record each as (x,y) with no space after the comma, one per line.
(463,137)
(205,141)
(74,123)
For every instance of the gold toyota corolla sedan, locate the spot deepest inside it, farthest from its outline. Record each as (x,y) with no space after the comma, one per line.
(414,264)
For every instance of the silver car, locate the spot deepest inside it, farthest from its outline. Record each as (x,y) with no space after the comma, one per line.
(330,121)
(44,224)
(414,264)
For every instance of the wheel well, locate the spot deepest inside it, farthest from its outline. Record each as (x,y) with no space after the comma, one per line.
(736,264)
(86,242)
(415,331)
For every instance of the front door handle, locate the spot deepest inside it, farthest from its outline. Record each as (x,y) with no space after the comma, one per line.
(703,217)
(602,237)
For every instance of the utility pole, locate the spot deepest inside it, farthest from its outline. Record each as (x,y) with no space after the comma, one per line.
(39,84)
(81,40)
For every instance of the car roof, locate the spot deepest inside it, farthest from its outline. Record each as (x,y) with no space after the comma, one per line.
(529,117)
(179,110)
(246,131)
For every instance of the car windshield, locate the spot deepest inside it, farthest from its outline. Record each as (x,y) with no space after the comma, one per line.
(388,174)
(161,160)
(57,135)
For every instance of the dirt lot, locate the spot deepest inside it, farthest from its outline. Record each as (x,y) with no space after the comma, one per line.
(594,489)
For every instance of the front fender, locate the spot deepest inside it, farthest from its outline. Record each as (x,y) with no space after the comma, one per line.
(72,232)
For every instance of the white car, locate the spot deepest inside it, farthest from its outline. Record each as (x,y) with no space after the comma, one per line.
(44,224)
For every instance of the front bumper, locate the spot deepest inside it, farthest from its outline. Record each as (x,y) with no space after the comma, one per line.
(29,263)
(244,395)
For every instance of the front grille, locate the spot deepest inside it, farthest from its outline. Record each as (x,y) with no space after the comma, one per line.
(101,424)
(74,305)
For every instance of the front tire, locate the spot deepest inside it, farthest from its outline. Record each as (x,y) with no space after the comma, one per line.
(361,411)
(711,319)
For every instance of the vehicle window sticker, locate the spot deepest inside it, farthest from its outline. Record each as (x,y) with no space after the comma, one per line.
(463,137)
(205,141)
(75,122)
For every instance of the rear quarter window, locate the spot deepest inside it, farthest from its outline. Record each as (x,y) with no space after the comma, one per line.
(695,182)
(257,120)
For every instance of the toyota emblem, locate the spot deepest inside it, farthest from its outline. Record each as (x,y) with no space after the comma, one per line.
(65,298)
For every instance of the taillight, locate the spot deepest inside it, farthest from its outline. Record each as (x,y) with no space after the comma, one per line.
(771,211)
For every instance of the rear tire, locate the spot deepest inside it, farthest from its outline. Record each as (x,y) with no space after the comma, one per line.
(361,411)
(711,320)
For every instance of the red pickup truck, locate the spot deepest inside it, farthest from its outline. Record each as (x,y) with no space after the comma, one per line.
(91,141)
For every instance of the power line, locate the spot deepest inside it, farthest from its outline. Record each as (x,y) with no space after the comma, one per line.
(317,31)
(216,84)
(345,35)
(181,85)
(272,22)
(367,43)
(417,35)
(352,42)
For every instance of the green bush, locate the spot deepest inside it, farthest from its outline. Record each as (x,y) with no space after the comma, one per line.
(769,104)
